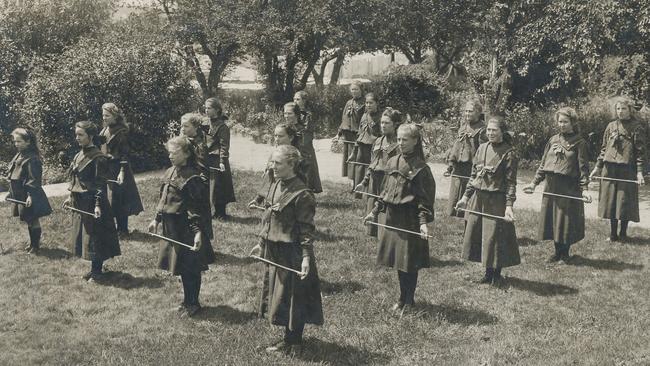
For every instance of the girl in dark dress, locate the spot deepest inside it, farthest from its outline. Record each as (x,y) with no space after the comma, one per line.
(182,214)
(305,129)
(407,201)
(383,149)
(93,237)
(349,127)
(565,167)
(25,177)
(123,192)
(222,190)
(286,238)
(622,156)
(470,135)
(492,189)
(369,130)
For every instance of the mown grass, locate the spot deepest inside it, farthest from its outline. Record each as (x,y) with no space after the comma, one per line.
(593,312)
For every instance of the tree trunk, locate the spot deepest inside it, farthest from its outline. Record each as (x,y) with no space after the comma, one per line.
(336,70)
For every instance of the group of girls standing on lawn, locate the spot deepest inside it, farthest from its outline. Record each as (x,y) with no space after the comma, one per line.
(384,159)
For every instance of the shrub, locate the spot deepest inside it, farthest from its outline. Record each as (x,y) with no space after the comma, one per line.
(413,89)
(139,75)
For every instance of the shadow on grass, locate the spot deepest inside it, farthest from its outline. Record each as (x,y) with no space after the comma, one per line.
(141,236)
(225,314)
(637,241)
(527,242)
(244,220)
(454,315)
(440,263)
(539,288)
(126,281)
(609,264)
(349,287)
(331,237)
(323,352)
(336,205)
(224,258)
(53,253)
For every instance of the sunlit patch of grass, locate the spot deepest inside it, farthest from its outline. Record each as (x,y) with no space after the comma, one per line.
(595,311)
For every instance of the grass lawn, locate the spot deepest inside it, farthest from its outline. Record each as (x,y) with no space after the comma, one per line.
(595,311)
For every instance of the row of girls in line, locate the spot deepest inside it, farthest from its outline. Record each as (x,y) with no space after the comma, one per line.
(483,172)
(103,193)
(482,165)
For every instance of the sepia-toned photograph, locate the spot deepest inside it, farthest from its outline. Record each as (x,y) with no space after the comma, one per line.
(325,182)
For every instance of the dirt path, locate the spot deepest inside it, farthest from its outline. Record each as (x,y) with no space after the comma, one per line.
(245,154)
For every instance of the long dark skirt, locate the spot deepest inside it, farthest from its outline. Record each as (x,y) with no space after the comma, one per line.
(619,200)
(492,242)
(403,251)
(313,176)
(375,186)
(40,204)
(562,219)
(347,169)
(288,300)
(93,239)
(360,154)
(125,198)
(222,190)
(457,187)
(178,259)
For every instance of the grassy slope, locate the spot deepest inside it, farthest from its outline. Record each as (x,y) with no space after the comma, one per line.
(594,312)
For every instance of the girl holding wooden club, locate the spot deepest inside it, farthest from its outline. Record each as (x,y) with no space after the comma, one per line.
(470,135)
(122,191)
(222,191)
(620,169)
(565,167)
(490,231)
(286,239)
(383,149)
(182,213)
(352,113)
(94,236)
(407,201)
(369,130)
(25,191)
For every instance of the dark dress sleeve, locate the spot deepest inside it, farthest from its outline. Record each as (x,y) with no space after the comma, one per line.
(34,175)
(511,163)
(603,147)
(101,175)
(224,143)
(424,190)
(469,190)
(583,164)
(639,148)
(122,148)
(305,208)
(195,192)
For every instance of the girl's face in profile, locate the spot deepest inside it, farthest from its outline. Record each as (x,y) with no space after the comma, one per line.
(290,115)
(281,136)
(177,156)
(387,126)
(281,167)
(188,129)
